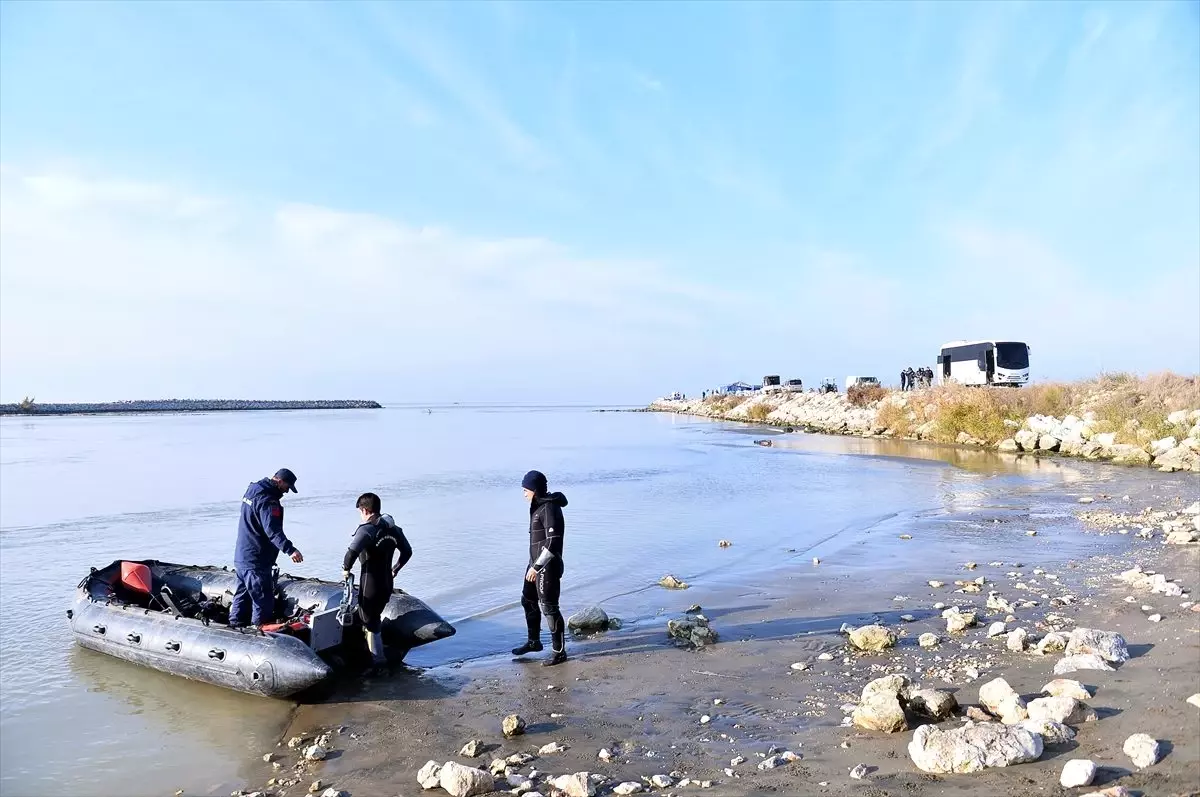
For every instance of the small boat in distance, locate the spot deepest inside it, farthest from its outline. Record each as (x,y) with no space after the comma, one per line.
(174,618)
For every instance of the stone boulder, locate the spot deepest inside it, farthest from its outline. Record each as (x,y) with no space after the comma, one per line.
(1122,454)
(1026,439)
(1143,750)
(972,748)
(692,630)
(1048,442)
(592,618)
(430,775)
(1065,710)
(1065,687)
(932,703)
(459,781)
(1053,642)
(1108,645)
(1051,732)
(1017,639)
(928,640)
(880,707)
(1008,445)
(1078,772)
(1003,701)
(1083,661)
(873,638)
(957,622)
(578,785)
(513,725)
(1160,447)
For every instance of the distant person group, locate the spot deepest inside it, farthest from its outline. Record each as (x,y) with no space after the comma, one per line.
(374,543)
(911,379)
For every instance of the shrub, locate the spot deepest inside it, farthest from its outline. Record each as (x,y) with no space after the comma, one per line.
(759,412)
(26,404)
(896,418)
(865,395)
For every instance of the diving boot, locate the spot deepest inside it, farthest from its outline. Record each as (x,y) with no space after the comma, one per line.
(375,645)
(555,657)
(531,646)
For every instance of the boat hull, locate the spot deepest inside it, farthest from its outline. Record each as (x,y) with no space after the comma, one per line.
(267,664)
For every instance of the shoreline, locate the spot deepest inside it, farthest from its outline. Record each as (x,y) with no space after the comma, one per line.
(179,406)
(632,692)
(943,416)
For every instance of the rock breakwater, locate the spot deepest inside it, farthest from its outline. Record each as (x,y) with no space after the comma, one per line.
(181,405)
(1168,441)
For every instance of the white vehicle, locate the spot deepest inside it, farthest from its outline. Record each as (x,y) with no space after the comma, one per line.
(794,386)
(770,384)
(983,362)
(851,381)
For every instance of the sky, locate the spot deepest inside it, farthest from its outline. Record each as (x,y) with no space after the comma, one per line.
(587,202)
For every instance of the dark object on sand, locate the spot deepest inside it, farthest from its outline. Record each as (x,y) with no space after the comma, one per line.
(767,443)
(174,618)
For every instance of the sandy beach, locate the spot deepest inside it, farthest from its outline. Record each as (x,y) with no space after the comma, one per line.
(645,700)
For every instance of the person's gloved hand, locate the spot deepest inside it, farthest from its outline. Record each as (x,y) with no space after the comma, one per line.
(345,575)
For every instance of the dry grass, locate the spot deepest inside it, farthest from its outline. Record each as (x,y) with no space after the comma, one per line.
(895,418)
(723,404)
(1136,409)
(759,412)
(865,395)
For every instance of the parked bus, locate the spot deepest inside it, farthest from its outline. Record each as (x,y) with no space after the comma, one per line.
(770,383)
(984,362)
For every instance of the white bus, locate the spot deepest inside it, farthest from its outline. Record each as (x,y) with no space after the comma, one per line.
(984,362)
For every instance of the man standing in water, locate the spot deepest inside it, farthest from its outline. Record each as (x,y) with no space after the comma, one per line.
(260,538)
(543,578)
(373,543)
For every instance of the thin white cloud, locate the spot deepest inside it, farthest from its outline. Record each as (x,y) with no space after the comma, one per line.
(101,272)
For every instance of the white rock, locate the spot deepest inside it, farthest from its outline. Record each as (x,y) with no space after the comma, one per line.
(1194,700)
(662,781)
(1066,710)
(1017,640)
(315,753)
(771,763)
(1155,618)
(1050,731)
(705,719)
(859,772)
(1108,645)
(1052,643)
(737,761)
(996,629)
(972,747)
(1065,687)
(1087,499)
(800,665)
(937,584)
(1078,772)
(1088,661)
(578,785)
(1003,701)
(826,657)
(928,640)
(1142,749)
(460,781)
(430,775)
(879,708)
(628,787)
(551,749)
(932,703)
(605,754)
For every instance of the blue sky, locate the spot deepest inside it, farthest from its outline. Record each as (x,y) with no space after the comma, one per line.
(587,201)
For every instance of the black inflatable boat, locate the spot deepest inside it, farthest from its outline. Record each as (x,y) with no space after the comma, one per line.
(174,618)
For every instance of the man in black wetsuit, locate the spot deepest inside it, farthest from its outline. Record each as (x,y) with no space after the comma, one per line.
(373,543)
(543,578)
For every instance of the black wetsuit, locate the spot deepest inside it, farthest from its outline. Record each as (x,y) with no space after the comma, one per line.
(541,596)
(373,544)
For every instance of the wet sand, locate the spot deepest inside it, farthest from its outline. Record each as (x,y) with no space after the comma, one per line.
(633,692)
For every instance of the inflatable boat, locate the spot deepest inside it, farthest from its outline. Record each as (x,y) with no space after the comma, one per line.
(175,618)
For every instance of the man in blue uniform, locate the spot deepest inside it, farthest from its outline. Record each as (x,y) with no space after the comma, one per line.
(260,539)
